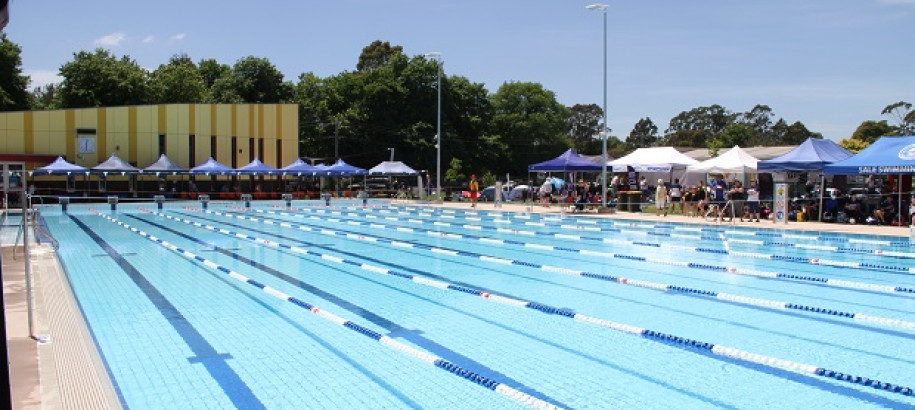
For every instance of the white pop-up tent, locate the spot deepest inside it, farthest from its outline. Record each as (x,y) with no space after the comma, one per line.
(734,161)
(392,168)
(654,159)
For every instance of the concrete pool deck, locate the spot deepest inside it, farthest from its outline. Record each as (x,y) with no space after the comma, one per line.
(68,373)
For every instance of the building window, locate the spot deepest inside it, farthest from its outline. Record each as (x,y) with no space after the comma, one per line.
(234,157)
(213,146)
(191,150)
(260,149)
(250,149)
(279,153)
(161,144)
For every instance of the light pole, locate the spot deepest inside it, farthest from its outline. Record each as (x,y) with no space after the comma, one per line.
(392,154)
(604,132)
(437,56)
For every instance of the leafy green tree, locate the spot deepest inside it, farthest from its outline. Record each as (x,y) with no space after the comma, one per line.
(904,116)
(252,80)
(644,134)
(759,119)
(692,128)
(734,134)
(14,95)
(530,122)
(584,127)
(46,97)
(210,71)
(616,148)
(455,173)
(99,79)
(179,81)
(870,131)
(376,55)
(853,144)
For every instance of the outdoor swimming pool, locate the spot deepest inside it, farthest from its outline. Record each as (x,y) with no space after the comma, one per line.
(394,307)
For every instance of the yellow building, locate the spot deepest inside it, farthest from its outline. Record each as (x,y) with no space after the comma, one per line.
(233,134)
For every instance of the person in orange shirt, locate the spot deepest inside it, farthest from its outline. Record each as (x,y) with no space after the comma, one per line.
(474,188)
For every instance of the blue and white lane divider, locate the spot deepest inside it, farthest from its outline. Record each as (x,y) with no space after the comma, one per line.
(682,342)
(757,255)
(663,287)
(484,381)
(586,225)
(838,283)
(633,224)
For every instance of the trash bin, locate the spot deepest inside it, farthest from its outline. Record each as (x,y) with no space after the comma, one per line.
(635,201)
(624,201)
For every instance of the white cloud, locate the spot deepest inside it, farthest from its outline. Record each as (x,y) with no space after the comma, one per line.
(42,77)
(149,39)
(111,40)
(178,37)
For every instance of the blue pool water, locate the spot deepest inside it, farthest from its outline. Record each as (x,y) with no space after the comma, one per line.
(346,307)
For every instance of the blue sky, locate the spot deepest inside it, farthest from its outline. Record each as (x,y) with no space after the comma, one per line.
(828,63)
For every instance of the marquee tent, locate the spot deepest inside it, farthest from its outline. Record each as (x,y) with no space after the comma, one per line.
(654,159)
(256,167)
(812,155)
(60,166)
(115,164)
(886,156)
(342,168)
(164,164)
(392,168)
(211,167)
(569,161)
(734,161)
(298,167)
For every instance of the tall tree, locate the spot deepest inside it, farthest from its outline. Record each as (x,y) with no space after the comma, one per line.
(376,55)
(692,128)
(252,80)
(99,79)
(870,131)
(759,119)
(734,134)
(14,94)
(210,71)
(904,116)
(530,122)
(584,127)
(179,81)
(644,134)
(46,97)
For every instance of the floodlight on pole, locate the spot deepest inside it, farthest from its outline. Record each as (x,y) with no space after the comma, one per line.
(605,131)
(437,56)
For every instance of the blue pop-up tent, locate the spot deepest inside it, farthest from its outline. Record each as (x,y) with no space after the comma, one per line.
(886,156)
(257,167)
(298,167)
(569,161)
(812,155)
(60,166)
(342,168)
(211,166)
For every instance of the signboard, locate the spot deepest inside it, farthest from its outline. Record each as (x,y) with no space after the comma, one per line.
(781,203)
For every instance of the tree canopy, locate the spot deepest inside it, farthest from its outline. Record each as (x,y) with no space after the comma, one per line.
(14,95)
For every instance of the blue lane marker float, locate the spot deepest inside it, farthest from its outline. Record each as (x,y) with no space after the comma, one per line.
(672,226)
(500,388)
(663,287)
(838,283)
(669,339)
(757,255)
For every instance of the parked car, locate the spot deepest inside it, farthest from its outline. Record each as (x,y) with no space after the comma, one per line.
(489,194)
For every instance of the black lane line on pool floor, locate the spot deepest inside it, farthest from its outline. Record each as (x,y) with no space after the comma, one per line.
(394,329)
(737,324)
(214,362)
(476,256)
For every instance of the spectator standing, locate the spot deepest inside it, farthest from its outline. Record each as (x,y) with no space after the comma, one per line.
(660,198)
(753,200)
(474,188)
(676,192)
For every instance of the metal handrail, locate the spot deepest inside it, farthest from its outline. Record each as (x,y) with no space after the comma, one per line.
(39,228)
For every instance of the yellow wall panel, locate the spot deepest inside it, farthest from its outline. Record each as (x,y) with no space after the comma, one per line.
(70,131)
(132,138)
(103,148)
(15,134)
(41,121)
(268,121)
(57,134)
(224,123)
(28,138)
(117,132)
